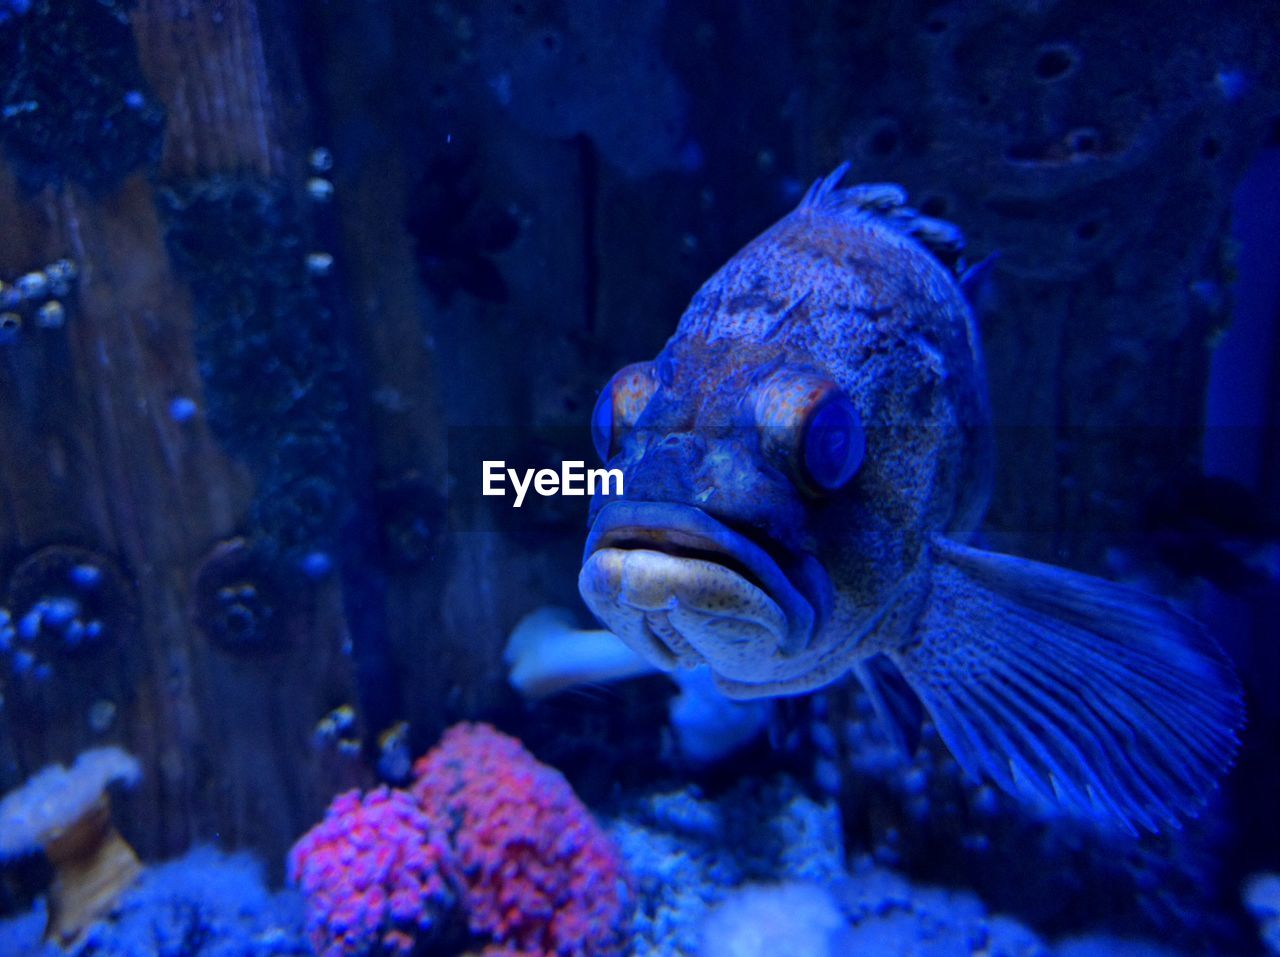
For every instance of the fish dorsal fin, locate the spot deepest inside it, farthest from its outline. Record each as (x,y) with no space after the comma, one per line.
(1071,691)
(896,706)
(887,202)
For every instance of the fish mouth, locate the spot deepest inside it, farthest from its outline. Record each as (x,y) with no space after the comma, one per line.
(683,588)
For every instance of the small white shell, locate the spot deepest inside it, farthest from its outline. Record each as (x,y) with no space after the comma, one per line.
(321,160)
(320,189)
(52,315)
(319,263)
(33,285)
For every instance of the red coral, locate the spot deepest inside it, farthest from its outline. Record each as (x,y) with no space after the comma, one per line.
(540,877)
(374,873)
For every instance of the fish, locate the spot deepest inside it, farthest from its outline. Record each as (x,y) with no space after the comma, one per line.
(804,464)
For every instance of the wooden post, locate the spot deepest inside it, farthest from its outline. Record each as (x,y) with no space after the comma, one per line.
(109,453)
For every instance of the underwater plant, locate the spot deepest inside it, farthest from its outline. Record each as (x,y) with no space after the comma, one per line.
(66,812)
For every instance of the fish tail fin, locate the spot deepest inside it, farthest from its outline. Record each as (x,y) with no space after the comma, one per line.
(1073,692)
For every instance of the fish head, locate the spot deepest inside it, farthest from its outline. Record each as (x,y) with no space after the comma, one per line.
(817,416)
(740,467)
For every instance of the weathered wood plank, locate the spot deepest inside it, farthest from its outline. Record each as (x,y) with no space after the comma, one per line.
(94,458)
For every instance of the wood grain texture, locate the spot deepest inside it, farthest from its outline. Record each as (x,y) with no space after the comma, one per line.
(93,458)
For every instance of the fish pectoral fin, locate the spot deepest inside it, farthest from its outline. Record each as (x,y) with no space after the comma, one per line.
(897,707)
(1071,691)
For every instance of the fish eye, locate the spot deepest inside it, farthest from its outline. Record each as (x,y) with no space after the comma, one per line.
(810,429)
(602,424)
(834,443)
(620,405)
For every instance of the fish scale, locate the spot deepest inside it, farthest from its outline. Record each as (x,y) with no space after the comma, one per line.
(843,330)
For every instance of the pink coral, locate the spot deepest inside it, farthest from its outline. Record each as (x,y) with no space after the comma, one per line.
(374,872)
(540,877)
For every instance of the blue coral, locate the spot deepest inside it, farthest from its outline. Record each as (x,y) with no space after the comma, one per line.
(703,869)
(890,915)
(686,853)
(206,904)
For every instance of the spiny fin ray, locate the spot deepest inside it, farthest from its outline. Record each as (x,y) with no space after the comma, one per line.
(887,202)
(1068,690)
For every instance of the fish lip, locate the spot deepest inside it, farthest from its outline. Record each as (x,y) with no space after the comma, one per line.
(685,530)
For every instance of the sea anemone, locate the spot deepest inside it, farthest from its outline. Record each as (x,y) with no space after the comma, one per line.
(66,812)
